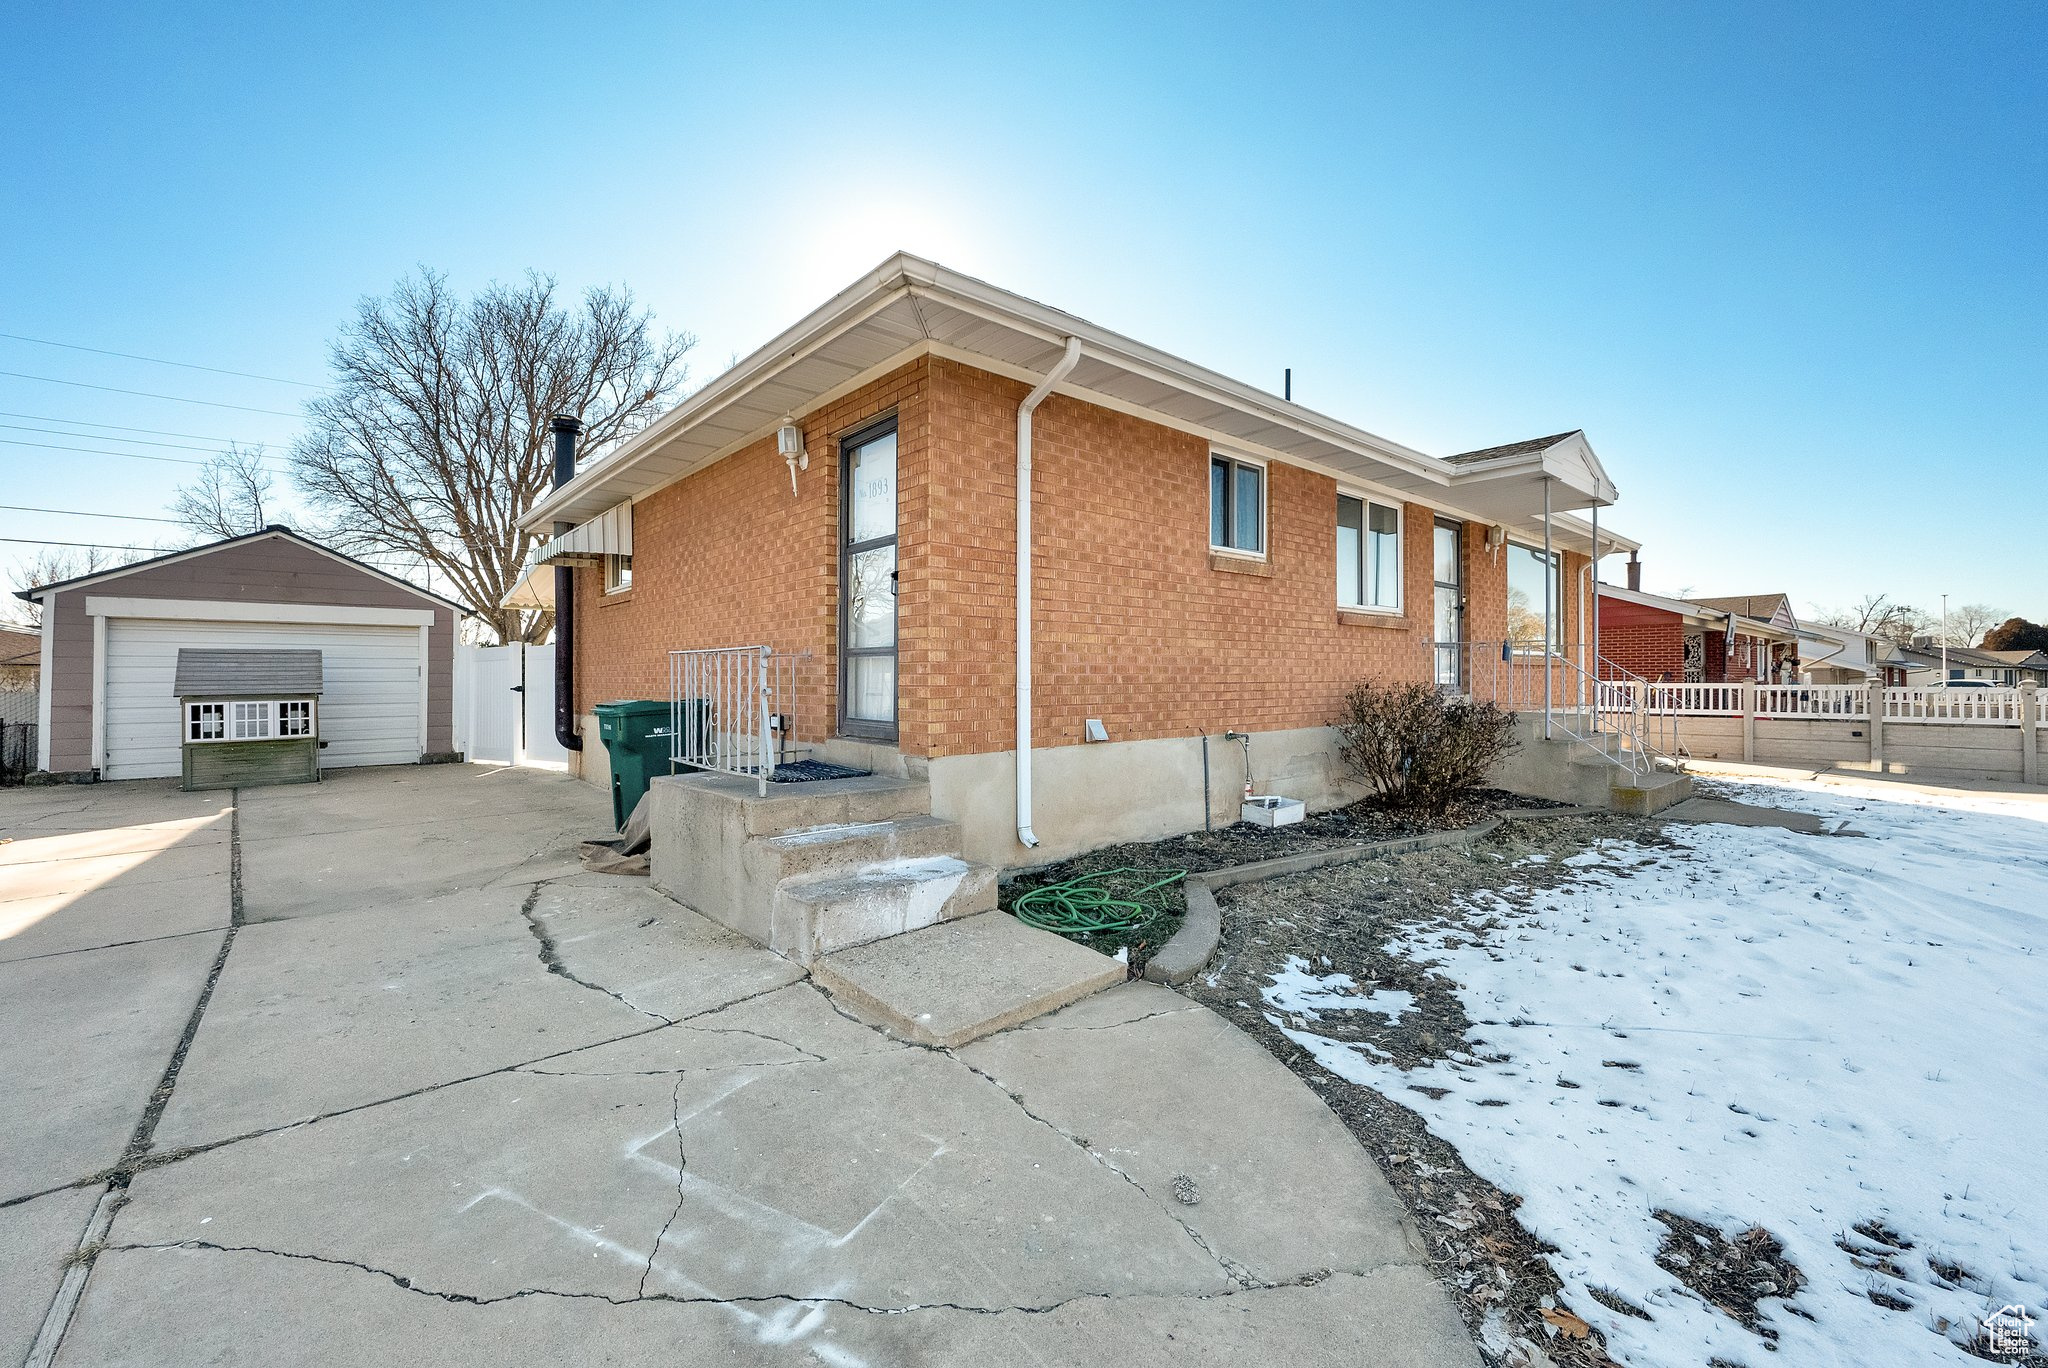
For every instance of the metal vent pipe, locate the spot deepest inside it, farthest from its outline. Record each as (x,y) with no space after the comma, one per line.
(566,427)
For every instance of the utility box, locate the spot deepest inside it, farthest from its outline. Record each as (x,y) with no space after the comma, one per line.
(636,735)
(248,717)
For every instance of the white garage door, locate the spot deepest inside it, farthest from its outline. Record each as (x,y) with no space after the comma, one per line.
(369,714)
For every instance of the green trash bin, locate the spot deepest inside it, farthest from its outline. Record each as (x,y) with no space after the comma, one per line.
(635,732)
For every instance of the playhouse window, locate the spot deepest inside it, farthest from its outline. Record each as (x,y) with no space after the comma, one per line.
(206,721)
(295,719)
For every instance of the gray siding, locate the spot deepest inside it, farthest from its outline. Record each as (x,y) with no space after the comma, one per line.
(270,570)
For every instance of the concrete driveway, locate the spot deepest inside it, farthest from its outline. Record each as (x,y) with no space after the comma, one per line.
(373,1071)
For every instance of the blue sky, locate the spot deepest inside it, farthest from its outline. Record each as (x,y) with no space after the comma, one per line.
(1785,264)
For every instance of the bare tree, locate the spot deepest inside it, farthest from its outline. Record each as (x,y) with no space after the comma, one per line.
(1878,615)
(434,440)
(54,564)
(229,498)
(1968,622)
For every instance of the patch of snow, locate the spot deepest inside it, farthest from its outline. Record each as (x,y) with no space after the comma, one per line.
(1297,992)
(1826,1031)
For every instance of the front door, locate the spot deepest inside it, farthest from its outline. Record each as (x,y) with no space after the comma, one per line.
(867,582)
(1450,604)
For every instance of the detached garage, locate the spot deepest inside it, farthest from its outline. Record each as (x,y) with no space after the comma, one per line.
(109,707)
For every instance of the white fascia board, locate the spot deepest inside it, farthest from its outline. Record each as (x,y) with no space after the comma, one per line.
(903,274)
(857,302)
(100,606)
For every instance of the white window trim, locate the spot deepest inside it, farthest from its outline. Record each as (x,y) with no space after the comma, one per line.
(1368,498)
(227,720)
(1217,453)
(612,583)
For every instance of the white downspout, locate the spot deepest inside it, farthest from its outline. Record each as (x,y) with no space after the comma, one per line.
(1026,837)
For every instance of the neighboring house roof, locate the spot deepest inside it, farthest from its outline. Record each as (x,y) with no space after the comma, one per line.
(20,646)
(274,530)
(908,307)
(206,673)
(1766,607)
(1698,614)
(1969,657)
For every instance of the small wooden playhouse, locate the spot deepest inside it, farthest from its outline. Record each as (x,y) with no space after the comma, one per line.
(250,717)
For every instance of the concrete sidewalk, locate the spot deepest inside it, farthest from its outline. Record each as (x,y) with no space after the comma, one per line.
(452,1099)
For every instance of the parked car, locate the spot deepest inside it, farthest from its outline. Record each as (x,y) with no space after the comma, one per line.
(1967,684)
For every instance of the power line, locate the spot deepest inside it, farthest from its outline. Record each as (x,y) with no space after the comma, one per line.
(97,437)
(116,427)
(81,513)
(145,394)
(159,361)
(103,546)
(131,455)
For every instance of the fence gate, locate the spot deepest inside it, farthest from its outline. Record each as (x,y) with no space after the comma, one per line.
(505,706)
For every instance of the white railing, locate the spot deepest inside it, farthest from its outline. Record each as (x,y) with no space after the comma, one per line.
(1813,700)
(1984,707)
(732,709)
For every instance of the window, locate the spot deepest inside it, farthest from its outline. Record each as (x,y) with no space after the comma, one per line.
(248,720)
(618,573)
(1528,574)
(1237,506)
(867,582)
(206,721)
(1368,554)
(251,721)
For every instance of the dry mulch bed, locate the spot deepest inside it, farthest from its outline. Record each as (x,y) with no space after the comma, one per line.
(1242,843)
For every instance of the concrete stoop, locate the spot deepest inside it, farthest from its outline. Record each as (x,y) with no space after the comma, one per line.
(961,980)
(809,869)
(816,916)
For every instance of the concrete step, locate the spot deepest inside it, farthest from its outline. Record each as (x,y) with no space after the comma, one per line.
(846,847)
(961,980)
(813,917)
(1649,794)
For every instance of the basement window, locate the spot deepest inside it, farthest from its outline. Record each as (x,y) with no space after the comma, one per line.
(618,574)
(1237,506)
(1368,554)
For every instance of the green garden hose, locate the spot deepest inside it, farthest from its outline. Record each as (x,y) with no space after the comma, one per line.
(1111,900)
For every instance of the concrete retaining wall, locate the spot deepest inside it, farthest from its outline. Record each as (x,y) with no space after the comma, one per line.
(1975,752)
(1819,742)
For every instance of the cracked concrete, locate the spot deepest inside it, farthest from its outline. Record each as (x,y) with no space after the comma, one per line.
(455,1100)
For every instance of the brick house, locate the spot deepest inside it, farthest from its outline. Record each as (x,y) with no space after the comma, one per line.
(1697,641)
(1204,558)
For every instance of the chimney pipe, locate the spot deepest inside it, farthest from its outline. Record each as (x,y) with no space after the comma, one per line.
(565,427)
(1635,573)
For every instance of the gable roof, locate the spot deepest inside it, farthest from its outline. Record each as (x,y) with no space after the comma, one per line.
(909,307)
(243,673)
(1765,606)
(1513,448)
(274,530)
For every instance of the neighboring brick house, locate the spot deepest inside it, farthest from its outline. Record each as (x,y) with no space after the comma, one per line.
(1204,557)
(1697,641)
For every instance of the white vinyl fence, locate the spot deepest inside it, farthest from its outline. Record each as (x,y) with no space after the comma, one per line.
(505,706)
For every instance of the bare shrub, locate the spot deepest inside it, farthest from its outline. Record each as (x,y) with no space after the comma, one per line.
(1419,748)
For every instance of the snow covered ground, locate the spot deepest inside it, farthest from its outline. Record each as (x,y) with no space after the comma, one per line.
(1799,1032)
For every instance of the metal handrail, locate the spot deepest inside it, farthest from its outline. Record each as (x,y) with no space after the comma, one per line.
(732,709)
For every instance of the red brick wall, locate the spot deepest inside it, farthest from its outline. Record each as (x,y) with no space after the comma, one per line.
(1135,621)
(727,557)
